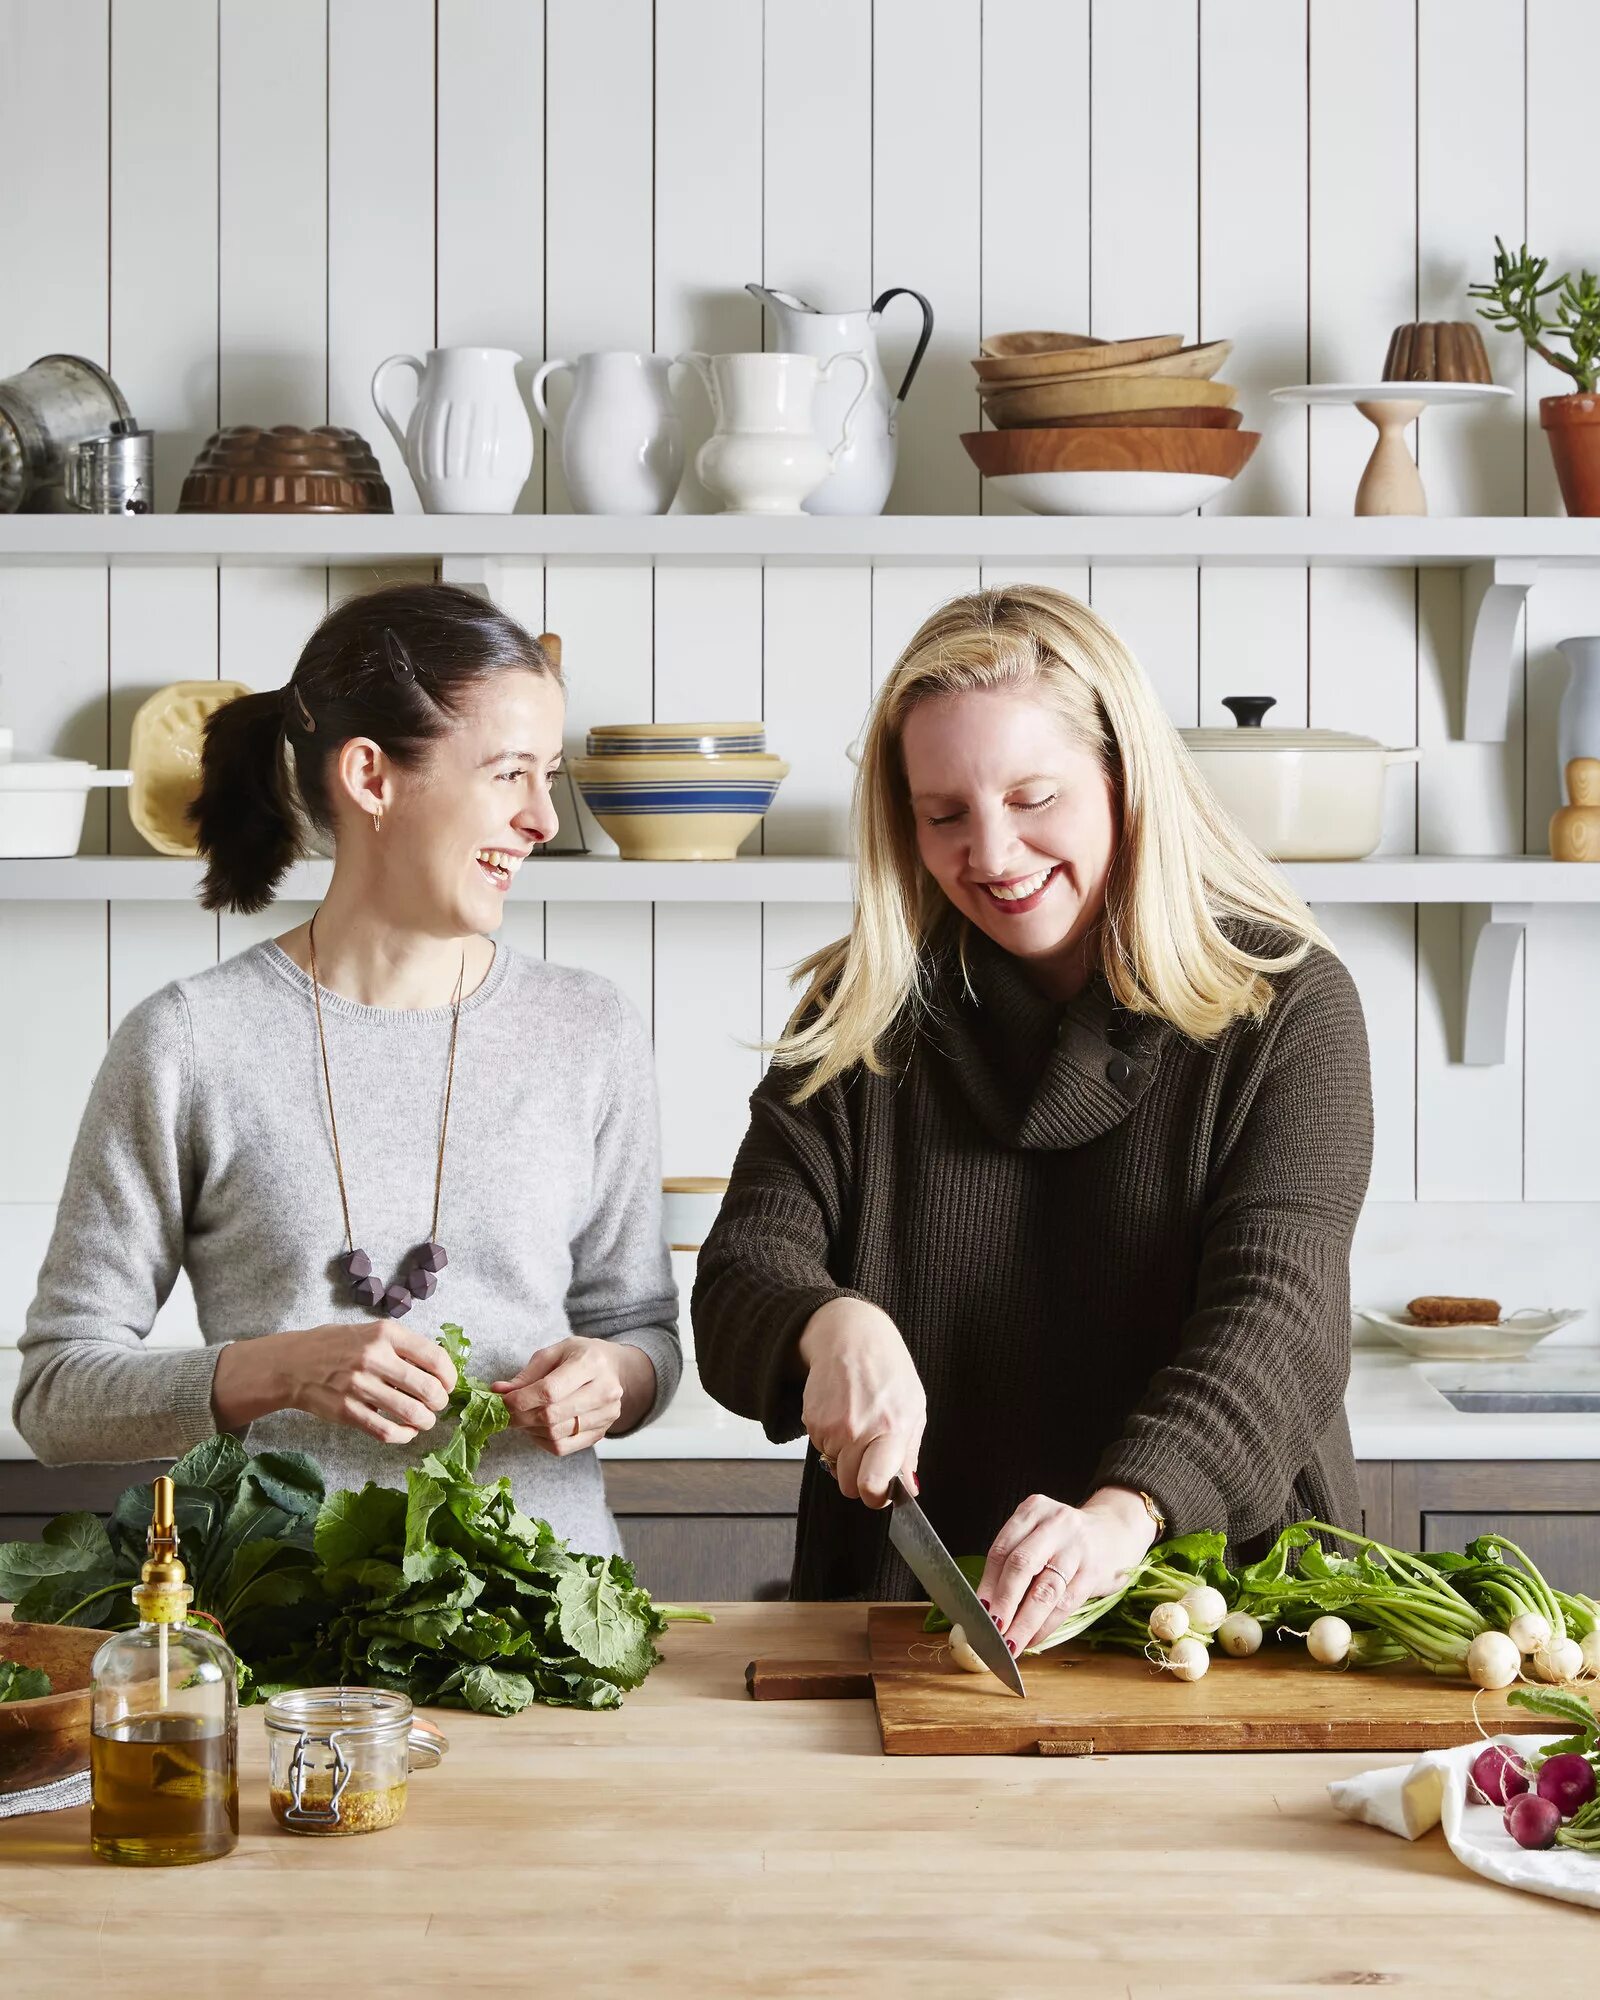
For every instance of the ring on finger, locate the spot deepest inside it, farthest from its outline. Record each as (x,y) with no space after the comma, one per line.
(1055,1573)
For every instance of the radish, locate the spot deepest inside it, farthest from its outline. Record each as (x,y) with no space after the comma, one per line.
(962,1653)
(1188,1659)
(1499,1774)
(1168,1623)
(1529,1631)
(1589,1649)
(1566,1781)
(1239,1635)
(1493,1660)
(1206,1607)
(1328,1641)
(1558,1660)
(1532,1821)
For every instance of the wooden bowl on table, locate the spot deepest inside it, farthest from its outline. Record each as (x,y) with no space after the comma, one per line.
(1048,402)
(47,1738)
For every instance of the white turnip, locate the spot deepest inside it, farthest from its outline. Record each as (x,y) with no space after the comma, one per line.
(1529,1631)
(1188,1659)
(1206,1607)
(1239,1635)
(1493,1660)
(962,1653)
(1558,1660)
(1328,1641)
(1589,1650)
(1168,1623)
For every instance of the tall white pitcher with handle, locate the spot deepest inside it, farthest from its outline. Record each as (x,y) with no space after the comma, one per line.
(468,443)
(765,456)
(860,480)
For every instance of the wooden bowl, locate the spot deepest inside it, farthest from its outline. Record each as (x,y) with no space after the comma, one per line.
(1198,417)
(1128,448)
(47,1738)
(1189,363)
(1049,402)
(1016,356)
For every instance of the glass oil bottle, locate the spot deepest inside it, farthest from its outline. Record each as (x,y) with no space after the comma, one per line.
(164,1729)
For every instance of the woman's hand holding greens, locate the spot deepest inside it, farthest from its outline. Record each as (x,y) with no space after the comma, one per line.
(1050,1558)
(375,1377)
(575,1391)
(865,1408)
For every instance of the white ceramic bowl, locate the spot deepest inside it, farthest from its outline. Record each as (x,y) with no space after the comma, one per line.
(679,808)
(43,801)
(1515,1335)
(677,739)
(1109,492)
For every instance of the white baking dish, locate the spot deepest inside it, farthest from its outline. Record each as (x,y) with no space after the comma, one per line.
(43,800)
(1299,794)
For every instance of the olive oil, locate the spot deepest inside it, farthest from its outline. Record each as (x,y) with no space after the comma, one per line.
(163,1723)
(166,1790)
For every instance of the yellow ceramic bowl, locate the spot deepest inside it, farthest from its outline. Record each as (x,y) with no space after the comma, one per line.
(677,739)
(679,808)
(164,756)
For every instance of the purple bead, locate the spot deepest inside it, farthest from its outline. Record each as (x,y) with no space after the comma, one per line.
(423,1283)
(397,1302)
(430,1257)
(358,1264)
(367,1291)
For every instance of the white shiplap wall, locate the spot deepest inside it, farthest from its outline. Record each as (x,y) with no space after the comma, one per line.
(241,206)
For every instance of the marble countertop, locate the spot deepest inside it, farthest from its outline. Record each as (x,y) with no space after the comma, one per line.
(1397,1410)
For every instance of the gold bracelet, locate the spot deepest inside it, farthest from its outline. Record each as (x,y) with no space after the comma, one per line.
(1155,1514)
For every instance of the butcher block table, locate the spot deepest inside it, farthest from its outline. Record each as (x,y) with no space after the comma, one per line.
(699,1843)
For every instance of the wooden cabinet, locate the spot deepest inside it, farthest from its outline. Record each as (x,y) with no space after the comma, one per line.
(724,1528)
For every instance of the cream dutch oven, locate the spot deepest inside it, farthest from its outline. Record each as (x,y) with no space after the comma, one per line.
(1300,794)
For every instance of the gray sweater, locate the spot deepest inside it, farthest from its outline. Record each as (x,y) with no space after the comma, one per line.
(206,1146)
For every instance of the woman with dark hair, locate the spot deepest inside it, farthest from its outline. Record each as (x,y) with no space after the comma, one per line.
(305,1127)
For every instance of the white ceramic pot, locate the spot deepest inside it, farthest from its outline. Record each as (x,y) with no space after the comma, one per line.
(43,801)
(622,441)
(1299,794)
(468,443)
(765,456)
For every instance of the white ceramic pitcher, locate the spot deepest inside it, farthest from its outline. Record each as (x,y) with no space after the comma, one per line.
(622,442)
(765,456)
(468,443)
(860,480)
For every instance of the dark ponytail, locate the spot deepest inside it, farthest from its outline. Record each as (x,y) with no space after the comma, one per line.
(393,666)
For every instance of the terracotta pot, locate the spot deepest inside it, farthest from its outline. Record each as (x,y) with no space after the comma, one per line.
(1573,423)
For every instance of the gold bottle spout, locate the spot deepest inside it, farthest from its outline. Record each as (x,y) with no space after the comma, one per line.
(162,1595)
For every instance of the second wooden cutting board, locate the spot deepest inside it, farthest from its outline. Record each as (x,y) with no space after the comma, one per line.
(1083,1704)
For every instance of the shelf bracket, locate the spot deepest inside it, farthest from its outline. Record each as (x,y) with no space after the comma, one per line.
(1492,597)
(1490,936)
(476,573)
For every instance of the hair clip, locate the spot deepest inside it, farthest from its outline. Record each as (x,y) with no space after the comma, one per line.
(399,660)
(307,720)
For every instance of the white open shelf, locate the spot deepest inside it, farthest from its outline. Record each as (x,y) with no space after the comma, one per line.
(1497,896)
(1248,540)
(1499,558)
(784,878)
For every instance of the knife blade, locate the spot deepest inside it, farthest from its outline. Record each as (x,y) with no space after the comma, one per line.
(932,1564)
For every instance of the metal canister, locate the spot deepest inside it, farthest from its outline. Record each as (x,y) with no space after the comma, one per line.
(55,402)
(112,474)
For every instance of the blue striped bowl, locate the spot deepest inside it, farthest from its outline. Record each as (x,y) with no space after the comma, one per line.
(679,808)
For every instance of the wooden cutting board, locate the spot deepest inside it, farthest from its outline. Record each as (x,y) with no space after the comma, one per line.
(1081,1703)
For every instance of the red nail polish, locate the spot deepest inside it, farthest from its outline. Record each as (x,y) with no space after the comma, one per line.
(985,1603)
(1011,1646)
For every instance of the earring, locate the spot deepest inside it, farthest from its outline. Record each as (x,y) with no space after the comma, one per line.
(377,820)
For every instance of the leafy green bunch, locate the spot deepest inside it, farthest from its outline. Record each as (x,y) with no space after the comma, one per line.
(444,1591)
(20,1683)
(1514,294)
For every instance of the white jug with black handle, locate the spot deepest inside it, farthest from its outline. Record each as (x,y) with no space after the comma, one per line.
(864,471)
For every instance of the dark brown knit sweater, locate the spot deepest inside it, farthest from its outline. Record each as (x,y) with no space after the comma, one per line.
(1117,1257)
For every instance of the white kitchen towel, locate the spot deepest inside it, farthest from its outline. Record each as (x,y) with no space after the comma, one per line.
(1410,1799)
(73,1791)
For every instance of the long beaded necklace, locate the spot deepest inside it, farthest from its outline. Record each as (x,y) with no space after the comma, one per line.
(421,1278)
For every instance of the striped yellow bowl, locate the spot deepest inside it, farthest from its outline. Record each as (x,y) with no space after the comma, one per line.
(680,808)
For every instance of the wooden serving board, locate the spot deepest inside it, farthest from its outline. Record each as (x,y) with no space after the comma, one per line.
(1081,1703)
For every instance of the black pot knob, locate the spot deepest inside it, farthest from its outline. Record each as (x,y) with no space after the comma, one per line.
(1248,709)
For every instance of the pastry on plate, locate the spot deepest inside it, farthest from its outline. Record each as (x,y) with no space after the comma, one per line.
(1440,1309)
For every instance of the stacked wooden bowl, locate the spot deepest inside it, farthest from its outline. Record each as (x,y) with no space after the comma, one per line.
(1106,426)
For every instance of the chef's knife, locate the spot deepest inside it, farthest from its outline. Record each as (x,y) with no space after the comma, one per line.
(935,1569)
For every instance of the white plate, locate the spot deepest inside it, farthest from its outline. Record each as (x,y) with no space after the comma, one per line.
(1109,492)
(1390,392)
(1514,1336)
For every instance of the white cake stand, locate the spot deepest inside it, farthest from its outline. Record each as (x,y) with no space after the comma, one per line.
(1391,483)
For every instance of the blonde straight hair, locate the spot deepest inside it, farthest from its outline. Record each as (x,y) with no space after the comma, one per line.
(1181,872)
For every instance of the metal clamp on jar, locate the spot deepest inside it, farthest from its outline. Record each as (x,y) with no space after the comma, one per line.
(340,1757)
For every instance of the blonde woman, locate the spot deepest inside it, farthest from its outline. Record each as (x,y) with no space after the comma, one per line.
(1048,1193)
